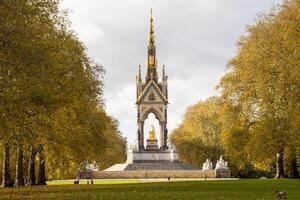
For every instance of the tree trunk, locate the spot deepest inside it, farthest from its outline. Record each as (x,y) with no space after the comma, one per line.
(19,168)
(279,165)
(294,169)
(31,168)
(7,181)
(42,169)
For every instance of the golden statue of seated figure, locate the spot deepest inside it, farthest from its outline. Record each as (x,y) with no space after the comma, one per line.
(152,133)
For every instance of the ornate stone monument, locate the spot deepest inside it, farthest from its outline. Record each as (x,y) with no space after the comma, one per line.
(152,94)
(152,97)
(158,158)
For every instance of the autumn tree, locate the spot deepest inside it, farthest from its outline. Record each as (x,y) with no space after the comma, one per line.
(50,94)
(256,119)
(198,136)
(263,83)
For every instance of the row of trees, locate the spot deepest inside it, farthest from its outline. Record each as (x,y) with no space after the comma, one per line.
(52,115)
(256,120)
(198,136)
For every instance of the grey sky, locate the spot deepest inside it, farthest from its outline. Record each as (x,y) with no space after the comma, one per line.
(194,39)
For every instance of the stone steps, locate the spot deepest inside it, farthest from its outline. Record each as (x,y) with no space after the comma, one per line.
(142,174)
(117,167)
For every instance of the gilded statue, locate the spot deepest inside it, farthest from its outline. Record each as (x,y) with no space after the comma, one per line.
(152,133)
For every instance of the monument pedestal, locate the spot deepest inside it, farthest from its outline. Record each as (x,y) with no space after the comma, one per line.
(158,164)
(222,173)
(152,145)
(151,157)
(222,170)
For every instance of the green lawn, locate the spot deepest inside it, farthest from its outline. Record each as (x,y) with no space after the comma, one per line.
(202,190)
(96,182)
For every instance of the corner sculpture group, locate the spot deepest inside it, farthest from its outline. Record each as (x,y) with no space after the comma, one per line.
(221,164)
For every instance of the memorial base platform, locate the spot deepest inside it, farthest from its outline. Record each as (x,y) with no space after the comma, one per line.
(142,174)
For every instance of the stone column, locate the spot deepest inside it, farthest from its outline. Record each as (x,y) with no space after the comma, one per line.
(161,124)
(166,136)
(138,136)
(163,135)
(141,135)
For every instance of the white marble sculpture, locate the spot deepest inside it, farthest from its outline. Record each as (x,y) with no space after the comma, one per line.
(133,146)
(207,165)
(94,167)
(221,163)
(84,166)
(171,146)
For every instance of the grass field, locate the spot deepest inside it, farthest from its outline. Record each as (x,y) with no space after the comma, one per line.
(96,182)
(202,190)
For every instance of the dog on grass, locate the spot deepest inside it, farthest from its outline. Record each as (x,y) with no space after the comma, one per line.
(280,194)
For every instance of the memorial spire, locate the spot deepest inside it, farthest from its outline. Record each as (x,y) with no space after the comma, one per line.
(151,36)
(151,54)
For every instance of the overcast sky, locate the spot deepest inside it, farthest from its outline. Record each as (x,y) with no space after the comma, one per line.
(194,39)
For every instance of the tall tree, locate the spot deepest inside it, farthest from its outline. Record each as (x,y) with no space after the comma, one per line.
(31,167)
(263,84)
(198,137)
(41,180)
(6,176)
(19,168)
(50,90)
